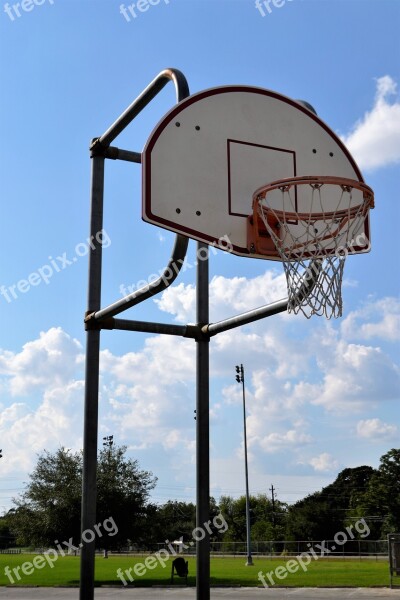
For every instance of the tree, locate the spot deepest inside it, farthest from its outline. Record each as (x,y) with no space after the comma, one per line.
(50,507)
(321,515)
(123,494)
(266,523)
(6,538)
(175,520)
(268,520)
(379,503)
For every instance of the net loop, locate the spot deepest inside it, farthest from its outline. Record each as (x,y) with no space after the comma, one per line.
(313,226)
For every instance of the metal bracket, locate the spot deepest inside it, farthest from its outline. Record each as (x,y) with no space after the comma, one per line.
(96,148)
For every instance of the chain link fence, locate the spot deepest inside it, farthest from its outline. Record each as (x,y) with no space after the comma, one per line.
(375,549)
(351,549)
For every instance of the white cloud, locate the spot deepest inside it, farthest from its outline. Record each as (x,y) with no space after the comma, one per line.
(375,429)
(45,377)
(355,376)
(48,361)
(378,319)
(179,300)
(276,442)
(151,392)
(296,370)
(375,139)
(26,431)
(226,293)
(324,463)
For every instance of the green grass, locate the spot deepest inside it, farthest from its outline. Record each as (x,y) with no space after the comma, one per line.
(224,571)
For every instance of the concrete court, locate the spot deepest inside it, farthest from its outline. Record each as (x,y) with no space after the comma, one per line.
(190,594)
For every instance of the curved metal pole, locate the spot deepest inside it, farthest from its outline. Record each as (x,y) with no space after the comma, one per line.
(150,92)
(101,145)
(99,149)
(168,276)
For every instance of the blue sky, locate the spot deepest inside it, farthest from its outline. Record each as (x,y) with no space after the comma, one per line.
(321,396)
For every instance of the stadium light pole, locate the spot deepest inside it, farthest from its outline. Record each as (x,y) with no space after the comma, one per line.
(108,442)
(240,379)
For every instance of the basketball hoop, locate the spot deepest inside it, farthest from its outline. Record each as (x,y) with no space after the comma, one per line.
(311,224)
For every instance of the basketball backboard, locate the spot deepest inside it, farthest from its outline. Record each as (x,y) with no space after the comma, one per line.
(208,155)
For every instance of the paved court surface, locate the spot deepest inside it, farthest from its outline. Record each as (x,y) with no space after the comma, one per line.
(190,594)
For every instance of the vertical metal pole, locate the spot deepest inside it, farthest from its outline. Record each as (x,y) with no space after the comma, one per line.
(92,384)
(202,429)
(248,528)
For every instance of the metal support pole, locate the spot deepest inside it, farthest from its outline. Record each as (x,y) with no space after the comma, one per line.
(92,384)
(202,431)
(100,149)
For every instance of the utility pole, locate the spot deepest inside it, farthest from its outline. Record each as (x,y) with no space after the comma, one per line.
(272,489)
(240,379)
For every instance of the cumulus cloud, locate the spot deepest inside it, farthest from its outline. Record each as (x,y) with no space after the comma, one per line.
(355,376)
(26,431)
(378,319)
(226,293)
(147,391)
(375,429)
(375,139)
(276,442)
(50,360)
(296,371)
(324,463)
(44,383)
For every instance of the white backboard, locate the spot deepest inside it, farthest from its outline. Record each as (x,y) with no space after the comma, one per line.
(208,155)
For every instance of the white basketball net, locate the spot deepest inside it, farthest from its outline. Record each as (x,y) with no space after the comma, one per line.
(313,245)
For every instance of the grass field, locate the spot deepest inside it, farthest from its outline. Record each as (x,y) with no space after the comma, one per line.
(224,571)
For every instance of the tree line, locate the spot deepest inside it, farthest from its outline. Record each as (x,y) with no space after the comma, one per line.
(49,508)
